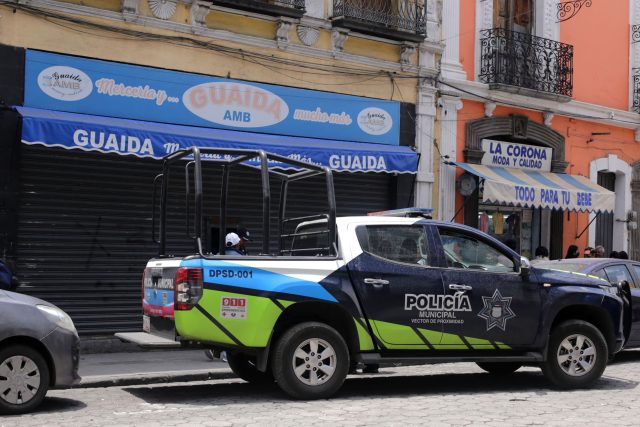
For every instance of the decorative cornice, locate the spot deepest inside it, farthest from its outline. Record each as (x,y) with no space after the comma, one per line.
(282,31)
(224,35)
(601,114)
(199,11)
(308,35)
(130,9)
(163,9)
(338,38)
(407,50)
(489,108)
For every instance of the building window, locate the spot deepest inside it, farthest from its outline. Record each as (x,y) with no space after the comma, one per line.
(513,15)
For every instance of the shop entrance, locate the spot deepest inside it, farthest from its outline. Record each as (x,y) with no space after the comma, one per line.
(522,229)
(604,222)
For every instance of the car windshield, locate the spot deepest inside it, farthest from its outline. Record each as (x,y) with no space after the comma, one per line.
(572,267)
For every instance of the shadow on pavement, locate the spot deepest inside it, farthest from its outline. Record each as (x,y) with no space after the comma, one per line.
(626,356)
(379,385)
(59,404)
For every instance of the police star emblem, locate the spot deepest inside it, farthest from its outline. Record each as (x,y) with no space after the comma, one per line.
(496,310)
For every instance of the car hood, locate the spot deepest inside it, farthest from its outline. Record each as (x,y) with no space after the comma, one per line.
(24,299)
(561,277)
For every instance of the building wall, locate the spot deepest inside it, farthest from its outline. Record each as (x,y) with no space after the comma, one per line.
(249,33)
(601,53)
(599,130)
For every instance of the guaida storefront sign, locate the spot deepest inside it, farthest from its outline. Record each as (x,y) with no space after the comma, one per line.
(90,86)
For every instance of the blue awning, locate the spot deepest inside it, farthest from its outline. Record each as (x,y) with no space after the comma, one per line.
(148,139)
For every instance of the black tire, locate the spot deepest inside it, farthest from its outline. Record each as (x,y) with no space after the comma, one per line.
(245,367)
(302,337)
(34,380)
(499,368)
(575,365)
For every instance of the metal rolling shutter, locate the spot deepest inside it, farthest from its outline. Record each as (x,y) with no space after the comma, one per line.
(84,227)
(83,236)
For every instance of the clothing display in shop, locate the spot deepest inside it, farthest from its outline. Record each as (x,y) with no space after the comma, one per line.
(483,222)
(498,223)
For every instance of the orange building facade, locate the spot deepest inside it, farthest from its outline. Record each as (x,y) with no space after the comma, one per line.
(552,83)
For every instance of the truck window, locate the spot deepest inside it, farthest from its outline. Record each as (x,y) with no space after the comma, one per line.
(311,239)
(406,244)
(465,251)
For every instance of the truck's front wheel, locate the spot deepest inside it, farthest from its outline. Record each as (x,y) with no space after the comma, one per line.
(577,355)
(310,361)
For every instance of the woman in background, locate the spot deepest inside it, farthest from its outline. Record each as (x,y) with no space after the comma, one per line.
(572,252)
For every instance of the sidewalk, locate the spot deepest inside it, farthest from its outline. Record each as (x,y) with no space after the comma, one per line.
(149,367)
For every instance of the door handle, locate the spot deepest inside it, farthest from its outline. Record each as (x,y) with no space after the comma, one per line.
(376,282)
(457,287)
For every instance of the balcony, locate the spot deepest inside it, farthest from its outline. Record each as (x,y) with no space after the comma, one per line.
(402,20)
(521,63)
(288,8)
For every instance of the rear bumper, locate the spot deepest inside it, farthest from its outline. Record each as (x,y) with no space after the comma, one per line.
(64,348)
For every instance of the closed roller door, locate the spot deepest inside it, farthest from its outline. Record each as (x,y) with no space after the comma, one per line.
(83,234)
(84,226)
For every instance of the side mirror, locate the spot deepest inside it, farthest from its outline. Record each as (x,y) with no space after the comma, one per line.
(525,266)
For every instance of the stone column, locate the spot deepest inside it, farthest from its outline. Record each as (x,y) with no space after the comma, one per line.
(448,142)
(451,67)
(425,124)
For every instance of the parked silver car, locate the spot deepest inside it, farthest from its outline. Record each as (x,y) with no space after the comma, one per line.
(39,349)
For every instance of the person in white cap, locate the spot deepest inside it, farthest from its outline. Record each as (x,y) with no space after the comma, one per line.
(234,245)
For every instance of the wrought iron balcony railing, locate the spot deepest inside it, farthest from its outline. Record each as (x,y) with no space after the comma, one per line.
(289,8)
(395,19)
(511,61)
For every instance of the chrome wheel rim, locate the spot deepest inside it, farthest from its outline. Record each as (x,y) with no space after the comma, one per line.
(576,355)
(19,380)
(314,362)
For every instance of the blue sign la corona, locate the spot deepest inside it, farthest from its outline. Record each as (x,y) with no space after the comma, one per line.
(89,86)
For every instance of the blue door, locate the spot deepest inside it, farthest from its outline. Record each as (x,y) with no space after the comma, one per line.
(504,307)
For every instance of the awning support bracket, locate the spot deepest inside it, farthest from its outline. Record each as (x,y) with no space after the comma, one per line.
(585,229)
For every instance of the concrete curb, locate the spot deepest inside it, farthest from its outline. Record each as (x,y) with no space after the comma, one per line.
(96,381)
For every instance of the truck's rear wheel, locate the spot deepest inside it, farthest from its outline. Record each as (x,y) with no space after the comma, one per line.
(310,361)
(245,367)
(577,355)
(499,368)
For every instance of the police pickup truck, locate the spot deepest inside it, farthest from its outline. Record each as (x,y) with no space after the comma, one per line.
(377,289)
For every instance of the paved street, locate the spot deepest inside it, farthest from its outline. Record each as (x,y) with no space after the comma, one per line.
(454,394)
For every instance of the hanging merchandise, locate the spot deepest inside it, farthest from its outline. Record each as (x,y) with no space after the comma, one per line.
(498,223)
(483,222)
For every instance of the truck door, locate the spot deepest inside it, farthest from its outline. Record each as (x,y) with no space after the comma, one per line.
(502,308)
(394,281)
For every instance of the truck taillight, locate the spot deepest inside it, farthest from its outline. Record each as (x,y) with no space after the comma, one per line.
(188,288)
